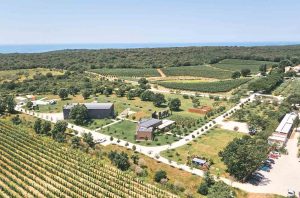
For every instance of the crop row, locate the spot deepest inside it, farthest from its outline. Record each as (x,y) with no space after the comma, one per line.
(209,87)
(147,72)
(198,71)
(30,167)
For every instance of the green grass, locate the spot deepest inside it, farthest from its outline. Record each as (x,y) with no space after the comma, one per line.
(146,72)
(209,87)
(208,146)
(125,130)
(95,123)
(198,71)
(238,64)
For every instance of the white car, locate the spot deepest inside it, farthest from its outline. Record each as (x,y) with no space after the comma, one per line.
(291,193)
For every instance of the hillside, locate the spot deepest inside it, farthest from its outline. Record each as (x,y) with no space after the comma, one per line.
(143,58)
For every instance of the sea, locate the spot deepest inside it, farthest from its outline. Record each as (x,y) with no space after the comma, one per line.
(39,48)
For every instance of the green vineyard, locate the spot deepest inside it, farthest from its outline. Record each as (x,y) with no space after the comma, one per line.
(146,72)
(31,167)
(209,87)
(198,71)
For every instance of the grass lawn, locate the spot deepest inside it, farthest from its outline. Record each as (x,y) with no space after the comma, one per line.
(95,123)
(125,130)
(237,64)
(23,74)
(208,146)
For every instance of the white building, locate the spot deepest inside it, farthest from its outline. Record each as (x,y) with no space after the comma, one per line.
(284,130)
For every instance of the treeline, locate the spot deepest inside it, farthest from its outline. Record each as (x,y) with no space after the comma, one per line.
(146,57)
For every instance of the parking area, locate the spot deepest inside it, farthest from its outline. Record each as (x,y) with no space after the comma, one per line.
(284,173)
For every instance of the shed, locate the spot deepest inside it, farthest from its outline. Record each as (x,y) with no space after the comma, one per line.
(199,161)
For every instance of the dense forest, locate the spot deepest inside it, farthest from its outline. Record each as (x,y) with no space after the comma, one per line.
(146,57)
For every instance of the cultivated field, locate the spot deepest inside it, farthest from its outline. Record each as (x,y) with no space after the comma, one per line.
(199,71)
(238,64)
(288,87)
(209,87)
(129,72)
(31,167)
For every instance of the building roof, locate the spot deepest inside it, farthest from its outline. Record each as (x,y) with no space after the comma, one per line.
(287,123)
(91,105)
(278,137)
(165,123)
(148,122)
(200,161)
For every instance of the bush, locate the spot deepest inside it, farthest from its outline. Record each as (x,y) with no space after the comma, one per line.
(159,175)
(203,189)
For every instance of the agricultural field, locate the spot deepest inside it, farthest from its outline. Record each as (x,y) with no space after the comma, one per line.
(199,71)
(207,146)
(288,87)
(238,64)
(31,167)
(208,87)
(130,72)
(26,74)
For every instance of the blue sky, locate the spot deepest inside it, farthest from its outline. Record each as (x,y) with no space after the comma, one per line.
(148,21)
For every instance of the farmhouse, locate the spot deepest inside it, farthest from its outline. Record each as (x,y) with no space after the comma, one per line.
(95,110)
(284,130)
(146,127)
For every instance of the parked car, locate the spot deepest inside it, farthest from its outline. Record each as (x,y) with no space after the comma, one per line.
(265,168)
(271,161)
(275,153)
(291,193)
(273,156)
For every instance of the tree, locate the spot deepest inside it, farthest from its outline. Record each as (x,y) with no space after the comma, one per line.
(245,72)
(88,138)
(240,114)
(79,114)
(203,189)
(75,142)
(147,95)
(159,175)
(38,126)
(86,94)
(236,74)
(120,92)
(220,190)
(73,90)
(46,127)
(16,120)
(158,99)
(29,104)
(130,94)
(293,99)
(243,156)
(63,93)
(174,104)
(196,102)
(263,69)
(120,160)
(10,104)
(58,131)
(2,106)
(135,158)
